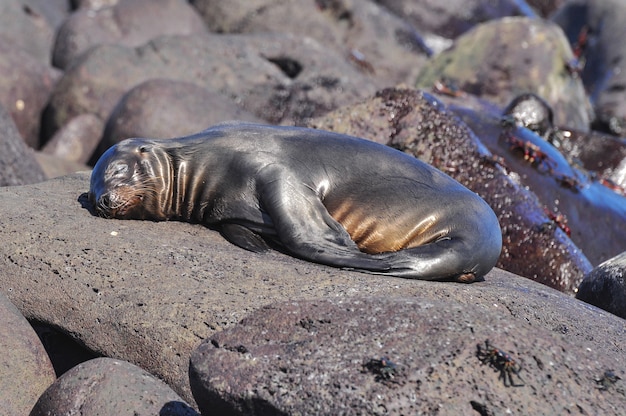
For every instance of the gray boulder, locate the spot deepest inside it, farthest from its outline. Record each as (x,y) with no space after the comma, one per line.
(128,22)
(503,58)
(597,27)
(278,78)
(55,166)
(54,11)
(373,41)
(452,18)
(25,369)
(77,140)
(108,387)
(26,28)
(605,286)
(164,108)
(25,88)
(18,165)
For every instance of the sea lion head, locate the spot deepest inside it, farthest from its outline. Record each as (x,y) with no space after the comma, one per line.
(129,181)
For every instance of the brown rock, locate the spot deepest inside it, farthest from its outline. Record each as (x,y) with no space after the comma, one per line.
(452,18)
(25,87)
(77,140)
(573,199)
(128,22)
(55,166)
(17,162)
(372,40)
(504,58)
(597,28)
(416,123)
(25,369)
(398,356)
(257,71)
(164,108)
(26,28)
(149,292)
(108,387)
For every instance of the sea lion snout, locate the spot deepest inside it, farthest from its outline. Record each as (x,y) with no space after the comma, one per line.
(103,204)
(121,202)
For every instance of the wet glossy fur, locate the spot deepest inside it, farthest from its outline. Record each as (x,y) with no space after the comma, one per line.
(324,197)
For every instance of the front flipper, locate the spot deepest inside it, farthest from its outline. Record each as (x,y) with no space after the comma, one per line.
(305,228)
(244,237)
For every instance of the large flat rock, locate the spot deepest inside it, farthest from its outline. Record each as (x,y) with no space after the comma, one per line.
(149,292)
(400,356)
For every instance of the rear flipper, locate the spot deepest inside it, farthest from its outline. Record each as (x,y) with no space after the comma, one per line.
(306,229)
(448,259)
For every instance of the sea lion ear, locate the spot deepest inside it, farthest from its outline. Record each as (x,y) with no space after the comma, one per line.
(144,148)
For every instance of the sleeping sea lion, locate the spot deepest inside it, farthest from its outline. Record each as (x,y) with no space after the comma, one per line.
(320,196)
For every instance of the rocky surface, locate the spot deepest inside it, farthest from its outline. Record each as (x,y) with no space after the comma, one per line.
(501,59)
(18,162)
(452,18)
(109,387)
(23,24)
(77,140)
(374,41)
(546,8)
(398,355)
(25,369)
(25,87)
(596,29)
(128,23)
(54,166)
(417,123)
(602,154)
(53,12)
(161,108)
(584,203)
(150,293)
(280,77)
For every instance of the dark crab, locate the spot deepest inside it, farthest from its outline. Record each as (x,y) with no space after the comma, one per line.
(383,368)
(608,379)
(532,153)
(560,220)
(500,361)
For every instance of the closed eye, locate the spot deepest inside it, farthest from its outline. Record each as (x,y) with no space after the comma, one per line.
(121,169)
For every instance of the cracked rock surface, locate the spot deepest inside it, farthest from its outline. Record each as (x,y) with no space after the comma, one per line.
(150,293)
